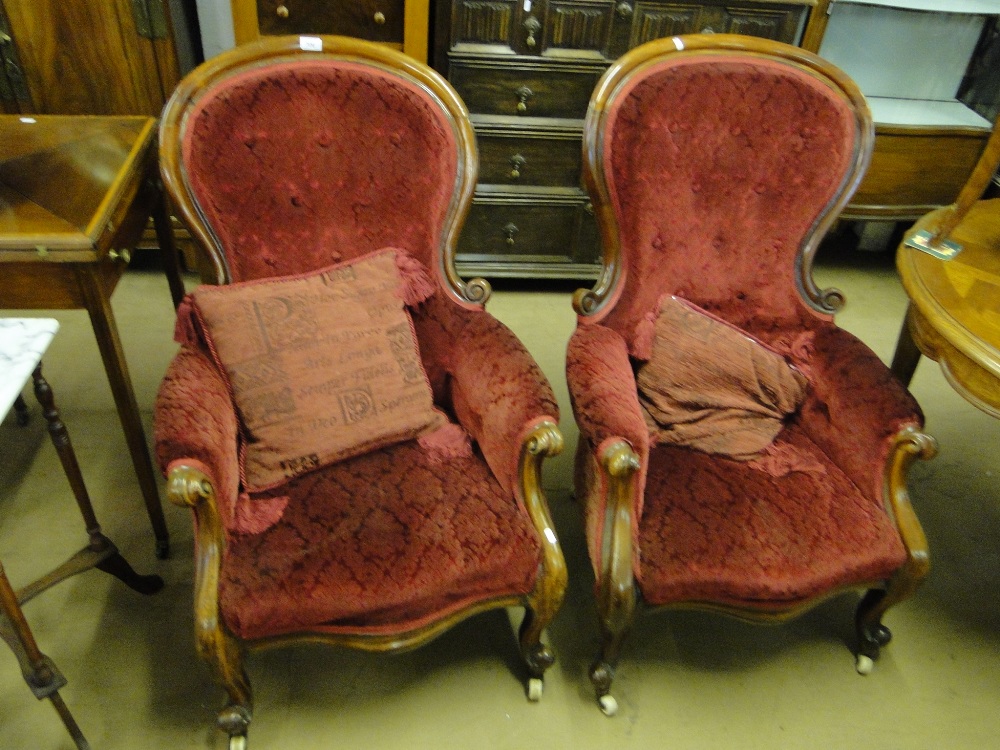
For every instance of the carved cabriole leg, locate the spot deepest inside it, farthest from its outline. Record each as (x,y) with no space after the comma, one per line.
(910,444)
(542,603)
(616,596)
(190,488)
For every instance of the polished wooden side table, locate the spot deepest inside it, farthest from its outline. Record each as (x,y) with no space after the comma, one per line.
(75,195)
(22,343)
(954,312)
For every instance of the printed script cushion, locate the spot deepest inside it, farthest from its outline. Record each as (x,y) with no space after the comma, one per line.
(711,387)
(322,366)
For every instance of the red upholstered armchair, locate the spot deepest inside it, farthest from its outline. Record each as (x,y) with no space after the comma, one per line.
(738,452)
(307,177)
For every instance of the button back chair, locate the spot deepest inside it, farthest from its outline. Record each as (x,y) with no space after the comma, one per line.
(738,452)
(326,179)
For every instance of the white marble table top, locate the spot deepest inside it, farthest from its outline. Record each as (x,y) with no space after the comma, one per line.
(22,343)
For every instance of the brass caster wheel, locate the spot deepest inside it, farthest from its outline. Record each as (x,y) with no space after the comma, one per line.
(238,742)
(609,706)
(865,664)
(535,687)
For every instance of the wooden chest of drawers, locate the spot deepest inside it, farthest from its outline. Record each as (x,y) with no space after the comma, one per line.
(526,70)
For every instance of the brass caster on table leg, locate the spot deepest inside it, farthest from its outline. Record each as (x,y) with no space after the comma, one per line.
(609,706)
(535,688)
(238,742)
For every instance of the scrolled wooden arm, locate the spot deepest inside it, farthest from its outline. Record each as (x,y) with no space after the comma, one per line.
(909,444)
(617,590)
(550,585)
(190,487)
(543,441)
(187,486)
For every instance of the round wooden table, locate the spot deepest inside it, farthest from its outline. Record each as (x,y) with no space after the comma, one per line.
(954,312)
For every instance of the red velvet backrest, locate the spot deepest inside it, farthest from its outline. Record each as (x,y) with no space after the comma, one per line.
(718,168)
(299,164)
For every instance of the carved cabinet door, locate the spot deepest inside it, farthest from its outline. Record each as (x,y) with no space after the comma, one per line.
(101,57)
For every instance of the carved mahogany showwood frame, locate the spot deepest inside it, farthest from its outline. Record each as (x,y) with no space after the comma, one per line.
(617,463)
(190,487)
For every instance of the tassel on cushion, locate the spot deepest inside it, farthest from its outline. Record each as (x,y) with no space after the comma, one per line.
(449,441)
(780,459)
(642,339)
(185,331)
(417,284)
(254,516)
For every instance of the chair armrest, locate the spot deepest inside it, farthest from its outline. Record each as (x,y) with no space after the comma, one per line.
(498,392)
(195,422)
(602,389)
(855,407)
(612,459)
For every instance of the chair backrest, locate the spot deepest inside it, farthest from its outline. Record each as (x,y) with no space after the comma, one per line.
(293,153)
(715,164)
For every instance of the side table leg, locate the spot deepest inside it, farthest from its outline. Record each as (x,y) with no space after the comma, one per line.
(103,553)
(907,355)
(168,245)
(21,411)
(106,331)
(39,671)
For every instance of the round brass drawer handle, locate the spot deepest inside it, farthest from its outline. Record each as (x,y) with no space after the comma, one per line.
(625,10)
(517,163)
(509,231)
(282,11)
(523,94)
(532,25)
(379,17)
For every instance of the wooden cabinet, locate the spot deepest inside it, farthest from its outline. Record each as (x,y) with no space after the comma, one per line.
(113,57)
(401,24)
(526,70)
(930,70)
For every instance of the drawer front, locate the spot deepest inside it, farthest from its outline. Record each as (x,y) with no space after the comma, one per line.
(782,23)
(375,20)
(578,26)
(640,22)
(528,156)
(545,230)
(913,173)
(532,28)
(494,88)
(489,22)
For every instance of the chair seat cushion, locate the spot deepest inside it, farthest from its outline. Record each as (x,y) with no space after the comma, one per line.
(392,539)
(322,366)
(734,532)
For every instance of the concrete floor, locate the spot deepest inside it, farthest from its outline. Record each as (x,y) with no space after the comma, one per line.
(687,680)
